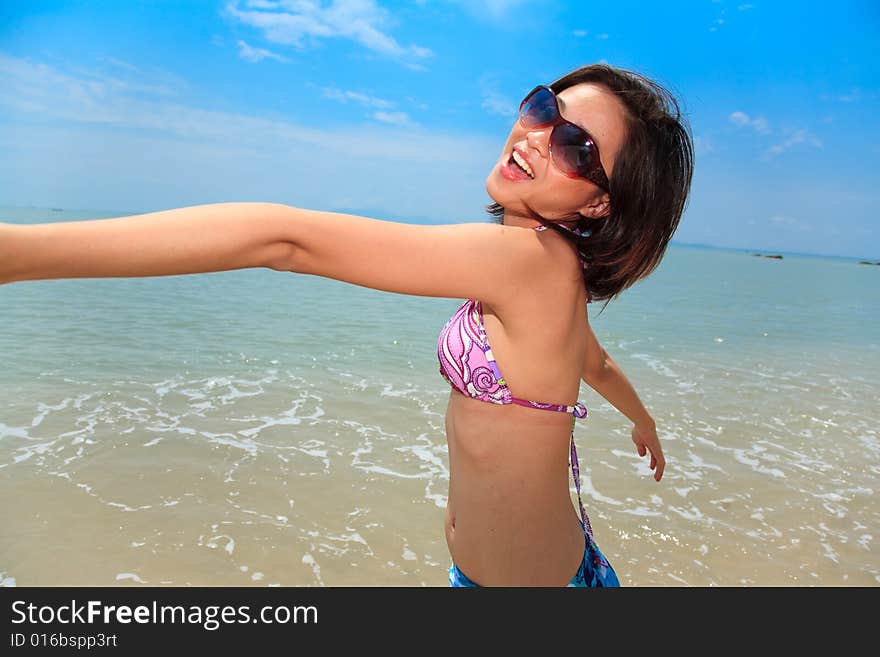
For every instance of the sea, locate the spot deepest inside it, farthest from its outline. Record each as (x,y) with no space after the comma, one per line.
(263,428)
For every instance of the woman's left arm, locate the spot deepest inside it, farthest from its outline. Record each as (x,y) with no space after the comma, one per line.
(609,381)
(201,238)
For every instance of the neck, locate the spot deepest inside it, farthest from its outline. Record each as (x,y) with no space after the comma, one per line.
(525,221)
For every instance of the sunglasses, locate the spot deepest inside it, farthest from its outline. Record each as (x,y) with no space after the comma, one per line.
(572,149)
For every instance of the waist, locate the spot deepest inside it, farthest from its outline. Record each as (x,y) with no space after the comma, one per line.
(546,545)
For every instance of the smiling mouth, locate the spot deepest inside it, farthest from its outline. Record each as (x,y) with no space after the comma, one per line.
(517,168)
(522,163)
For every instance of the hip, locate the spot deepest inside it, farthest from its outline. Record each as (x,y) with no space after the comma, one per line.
(517,550)
(593,571)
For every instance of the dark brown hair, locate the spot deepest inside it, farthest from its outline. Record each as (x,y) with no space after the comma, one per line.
(648,187)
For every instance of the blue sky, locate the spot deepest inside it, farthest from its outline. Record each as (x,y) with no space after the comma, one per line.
(398,110)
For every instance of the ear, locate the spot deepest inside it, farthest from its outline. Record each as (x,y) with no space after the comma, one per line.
(596,207)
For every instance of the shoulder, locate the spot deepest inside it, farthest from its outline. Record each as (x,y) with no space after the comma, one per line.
(486,261)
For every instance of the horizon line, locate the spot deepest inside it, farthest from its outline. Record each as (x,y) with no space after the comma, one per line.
(674,242)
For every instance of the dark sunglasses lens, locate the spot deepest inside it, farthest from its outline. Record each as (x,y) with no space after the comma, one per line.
(539,108)
(574,150)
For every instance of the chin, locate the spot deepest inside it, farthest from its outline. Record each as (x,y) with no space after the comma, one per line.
(495,188)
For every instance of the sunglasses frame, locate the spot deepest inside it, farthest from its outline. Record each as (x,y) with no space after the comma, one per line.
(597,174)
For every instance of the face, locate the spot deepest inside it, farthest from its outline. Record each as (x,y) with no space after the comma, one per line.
(551,192)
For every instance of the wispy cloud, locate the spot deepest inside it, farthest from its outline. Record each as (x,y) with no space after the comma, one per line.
(383,107)
(580,33)
(394,118)
(492,9)
(716,23)
(790,222)
(802,136)
(46,92)
(252,54)
(120,63)
(302,23)
(38,87)
(703,145)
(356,97)
(789,137)
(851,96)
(163,152)
(495,103)
(759,124)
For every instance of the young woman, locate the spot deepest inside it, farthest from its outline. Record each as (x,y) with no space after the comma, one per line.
(588,191)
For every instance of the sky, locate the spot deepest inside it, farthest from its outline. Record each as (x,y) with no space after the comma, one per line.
(399,110)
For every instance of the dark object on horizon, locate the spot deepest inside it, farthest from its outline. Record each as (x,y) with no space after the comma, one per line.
(868,262)
(777,257)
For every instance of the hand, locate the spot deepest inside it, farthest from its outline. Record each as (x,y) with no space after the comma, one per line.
(645,438)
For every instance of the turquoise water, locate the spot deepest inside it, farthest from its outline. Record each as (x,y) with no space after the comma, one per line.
(258,427)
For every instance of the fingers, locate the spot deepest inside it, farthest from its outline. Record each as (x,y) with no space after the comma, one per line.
(658,462)
(661,465)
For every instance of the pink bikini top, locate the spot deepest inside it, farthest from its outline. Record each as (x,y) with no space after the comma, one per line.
(467,363)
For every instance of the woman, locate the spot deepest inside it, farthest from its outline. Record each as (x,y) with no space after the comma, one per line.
(587,192)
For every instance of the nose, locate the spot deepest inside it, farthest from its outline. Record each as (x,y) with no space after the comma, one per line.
(538,139)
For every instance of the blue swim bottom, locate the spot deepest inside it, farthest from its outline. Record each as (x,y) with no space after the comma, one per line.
(594,570)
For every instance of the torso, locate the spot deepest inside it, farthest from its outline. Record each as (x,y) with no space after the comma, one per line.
(510,520)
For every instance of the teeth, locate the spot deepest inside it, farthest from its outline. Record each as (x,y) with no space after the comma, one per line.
(525,165)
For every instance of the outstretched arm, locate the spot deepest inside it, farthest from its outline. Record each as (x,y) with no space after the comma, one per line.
(202,238)
(485,261)
(604,375)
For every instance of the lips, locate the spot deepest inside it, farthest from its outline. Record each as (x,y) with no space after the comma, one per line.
(525,156)
(512,171)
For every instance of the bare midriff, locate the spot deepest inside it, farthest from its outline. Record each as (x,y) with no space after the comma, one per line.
(510,520)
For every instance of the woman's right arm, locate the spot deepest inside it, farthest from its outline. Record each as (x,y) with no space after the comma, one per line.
(189,240)
(486,261)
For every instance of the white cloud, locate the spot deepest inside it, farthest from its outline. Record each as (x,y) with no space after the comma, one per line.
(802,136)
(120,63)
(790,222)
(84,142)
(580,33)
(356,97)
(49,93)
(494,9)
(394,118)
(759,124)
(383,107)
(744,7)
(850,97)
(252,54)
(703,146)
(500,6)
(495,103)
(300,23)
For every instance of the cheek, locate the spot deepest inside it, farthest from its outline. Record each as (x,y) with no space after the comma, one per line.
(559,187)
(559,195)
